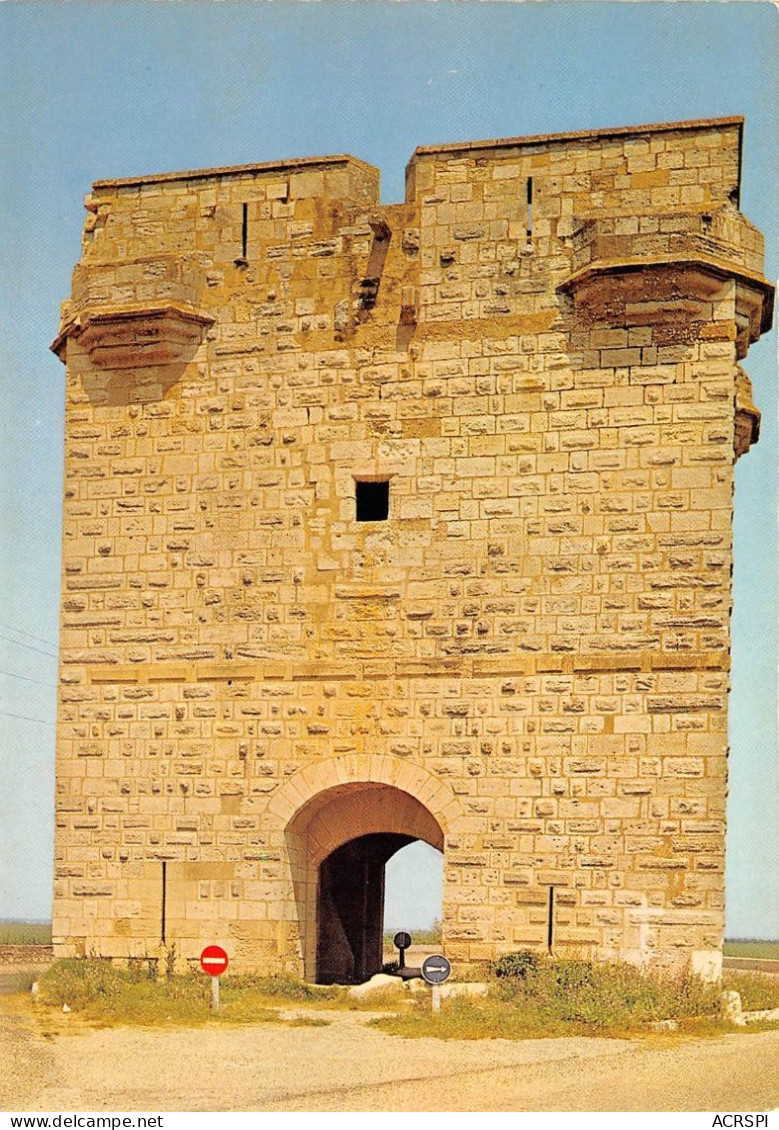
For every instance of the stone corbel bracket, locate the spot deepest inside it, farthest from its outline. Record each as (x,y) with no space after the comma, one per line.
(641,277)
(135,337)
(666,278)
(671,280)
(747,423)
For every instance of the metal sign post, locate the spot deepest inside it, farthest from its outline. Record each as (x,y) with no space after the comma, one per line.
(435,970)
(213,961)
(402,941)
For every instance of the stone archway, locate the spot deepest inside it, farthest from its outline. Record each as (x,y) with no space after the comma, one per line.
(339,843)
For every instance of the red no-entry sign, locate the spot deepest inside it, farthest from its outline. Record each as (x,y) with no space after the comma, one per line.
(213,960)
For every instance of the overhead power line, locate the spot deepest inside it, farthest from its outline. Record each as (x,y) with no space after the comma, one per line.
(27,679)
(30,635)
(29,646)
(27,718)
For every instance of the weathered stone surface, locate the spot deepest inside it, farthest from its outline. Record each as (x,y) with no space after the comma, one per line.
(382,984)
(523,663)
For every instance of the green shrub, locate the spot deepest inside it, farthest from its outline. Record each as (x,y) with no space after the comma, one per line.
(77,981)
(100,990)
(542,996)
(600,995)
(518,964)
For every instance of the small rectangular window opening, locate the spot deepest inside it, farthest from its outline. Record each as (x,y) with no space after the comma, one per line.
(529,222)
(372,501)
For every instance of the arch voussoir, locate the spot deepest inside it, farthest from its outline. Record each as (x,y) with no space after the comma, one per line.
(315,781)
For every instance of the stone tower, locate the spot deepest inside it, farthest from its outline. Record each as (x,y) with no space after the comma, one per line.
(401,522)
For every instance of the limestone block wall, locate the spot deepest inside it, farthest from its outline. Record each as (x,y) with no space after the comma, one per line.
(526,663)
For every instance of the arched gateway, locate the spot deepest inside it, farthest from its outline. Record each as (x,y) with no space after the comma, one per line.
(338,847)
(406,521)
(338,841)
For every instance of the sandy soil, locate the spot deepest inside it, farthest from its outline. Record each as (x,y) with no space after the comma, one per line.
(350,1067)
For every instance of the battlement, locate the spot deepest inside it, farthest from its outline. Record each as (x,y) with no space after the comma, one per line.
(656,134)
(546,209)
(570,137)
(330,177)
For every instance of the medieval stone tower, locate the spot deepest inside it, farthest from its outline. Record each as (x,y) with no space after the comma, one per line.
(403,522)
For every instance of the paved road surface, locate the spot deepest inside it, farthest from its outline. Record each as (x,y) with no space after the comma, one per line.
(350,1067)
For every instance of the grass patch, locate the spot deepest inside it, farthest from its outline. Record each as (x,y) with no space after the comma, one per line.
(538,997)
(489,1019)
(99,991)
(380,1000)
(280,988)
(462,1018)
(106,994)
(14,933)
(20,981)
(758,990)
(532,997)
(750,947)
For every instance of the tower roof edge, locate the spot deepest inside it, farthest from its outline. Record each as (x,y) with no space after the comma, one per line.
(285,166)
(582,135)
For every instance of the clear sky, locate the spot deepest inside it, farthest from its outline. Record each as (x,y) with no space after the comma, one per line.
(95,90)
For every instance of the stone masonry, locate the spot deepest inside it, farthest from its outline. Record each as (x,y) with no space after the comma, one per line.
(397,522)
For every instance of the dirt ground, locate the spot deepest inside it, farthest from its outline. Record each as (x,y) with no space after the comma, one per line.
(348,1066)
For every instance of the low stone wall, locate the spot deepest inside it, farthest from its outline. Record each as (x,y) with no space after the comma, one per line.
(26,955)
(752,964)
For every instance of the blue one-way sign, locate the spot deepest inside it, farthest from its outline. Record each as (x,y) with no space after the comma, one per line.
(436,969)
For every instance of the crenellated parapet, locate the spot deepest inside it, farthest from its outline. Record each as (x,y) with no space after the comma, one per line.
(156,248)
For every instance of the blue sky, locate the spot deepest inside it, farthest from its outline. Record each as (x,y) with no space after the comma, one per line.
(95,90)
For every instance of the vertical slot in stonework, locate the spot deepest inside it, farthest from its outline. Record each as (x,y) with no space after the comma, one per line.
(163,907)
(529,212)
(242,260)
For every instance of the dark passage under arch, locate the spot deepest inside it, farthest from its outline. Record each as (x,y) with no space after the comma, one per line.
(350,913)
